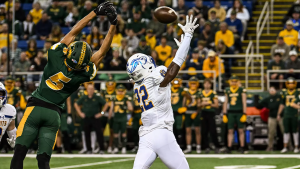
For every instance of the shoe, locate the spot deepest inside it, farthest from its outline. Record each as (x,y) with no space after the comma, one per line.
(101,152)
(134,149)
(96,151)
(116,150)
(242,151)
(59,150)
(109,150)
(89,152)
(296,150)
(284,150)
(198,150)
(124,150)
(30,151)
(228,150)
(269,149)
(207,151)
(187,151)
(83,151)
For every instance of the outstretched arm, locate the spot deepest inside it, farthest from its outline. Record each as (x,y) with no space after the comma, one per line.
(181,54)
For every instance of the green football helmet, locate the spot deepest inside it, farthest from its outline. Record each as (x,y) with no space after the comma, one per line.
(79,55)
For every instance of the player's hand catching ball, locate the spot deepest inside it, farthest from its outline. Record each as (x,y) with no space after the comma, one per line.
(100,10)
(11,141)
(111,14)
(189,25)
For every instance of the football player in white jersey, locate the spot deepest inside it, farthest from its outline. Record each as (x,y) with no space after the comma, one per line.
(153,92)
(7,118)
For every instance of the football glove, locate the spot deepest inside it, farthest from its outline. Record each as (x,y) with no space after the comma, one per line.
(181,39)
(69,119)
(181,110)
(130,121)
(111,14)
(11,141)
(100,10)
(225,119)
(243,119)
(194,115)
(189,25)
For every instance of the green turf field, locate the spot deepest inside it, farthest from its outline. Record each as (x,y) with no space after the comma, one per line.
(202,161)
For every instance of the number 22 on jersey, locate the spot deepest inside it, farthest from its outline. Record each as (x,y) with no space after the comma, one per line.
(142,95)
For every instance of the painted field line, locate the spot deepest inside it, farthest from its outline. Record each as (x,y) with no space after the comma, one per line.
(187,155)
(91,164)
(293,167)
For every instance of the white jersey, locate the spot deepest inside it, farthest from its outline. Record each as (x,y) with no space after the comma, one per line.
(155,102)
(7,114)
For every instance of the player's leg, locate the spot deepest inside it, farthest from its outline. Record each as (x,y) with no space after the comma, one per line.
(294,126)
(50,122)
(123,125)
(272,125)
(197,122)
(204,127)
(241,131)
(135,128)
(99,133)
(188,133)
(231,121)
(212,130)
(286,135)
(26,134)
(116,129)
(111,134)
(87,127)
(59,142)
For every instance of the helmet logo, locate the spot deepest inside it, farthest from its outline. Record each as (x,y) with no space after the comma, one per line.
(74,61)
(135,62)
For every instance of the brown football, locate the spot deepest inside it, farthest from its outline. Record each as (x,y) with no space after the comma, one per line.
(165,14)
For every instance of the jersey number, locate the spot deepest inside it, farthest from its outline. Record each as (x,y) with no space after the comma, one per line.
(233,101)
(55,82)
(146,104)
(289,101)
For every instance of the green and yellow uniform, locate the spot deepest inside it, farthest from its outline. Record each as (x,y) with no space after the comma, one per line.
(120,113)
(192,117)
(235,109)
(290,115)
(42,115)
(16,98)
(177,96)
(108,96)
(56,13)
(207,97)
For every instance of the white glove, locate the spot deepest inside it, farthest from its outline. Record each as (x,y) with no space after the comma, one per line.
(181,39)
(69,119)
(189,25)
(11,141)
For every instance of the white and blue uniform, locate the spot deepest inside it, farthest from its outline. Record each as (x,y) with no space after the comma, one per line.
(7,114)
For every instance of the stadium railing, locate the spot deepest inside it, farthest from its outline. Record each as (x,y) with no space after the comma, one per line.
(260,28)
(278,80)
(272,10)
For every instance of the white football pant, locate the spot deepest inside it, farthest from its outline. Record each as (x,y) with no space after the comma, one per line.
(161,143)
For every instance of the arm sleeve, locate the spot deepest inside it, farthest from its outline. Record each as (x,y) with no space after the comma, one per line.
(183,50)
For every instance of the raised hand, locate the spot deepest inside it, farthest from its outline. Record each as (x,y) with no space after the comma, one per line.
(181,39)
(189,25)
(111,14)
(100,10)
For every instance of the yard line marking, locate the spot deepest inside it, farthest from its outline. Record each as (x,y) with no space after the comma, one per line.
(293,167)
(91,164)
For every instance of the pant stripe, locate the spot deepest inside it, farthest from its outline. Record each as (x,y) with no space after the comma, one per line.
(55,140)
(23,121)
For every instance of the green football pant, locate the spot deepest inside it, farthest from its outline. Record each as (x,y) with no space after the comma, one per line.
(119,125)
(189,121)
(136,121)
(290,124)
(42,123)
(178,121)
(234,118)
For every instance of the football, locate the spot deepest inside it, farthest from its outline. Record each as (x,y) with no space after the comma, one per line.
(165,14)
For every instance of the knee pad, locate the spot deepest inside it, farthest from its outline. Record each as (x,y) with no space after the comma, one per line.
(18,158)
(43,161)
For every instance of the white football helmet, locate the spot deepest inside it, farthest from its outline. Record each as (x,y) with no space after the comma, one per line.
(3,96)
(140,66)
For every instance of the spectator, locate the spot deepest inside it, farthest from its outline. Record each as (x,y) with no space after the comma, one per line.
(19,13)
(116,62)
(222,49)
(14,50)
(242,14)
(145,10)
(290,35)
(28,28)
(163,50)
(43,27)
(125,50)
(143,47)
(22,65)
(236,26)
(207,36)
(272,103)
(220,12)
(151,39)
(133,41)
(3,63)
(88,7)
(294,8)
(125,11)
(214,22)
(226,35)
(193,63)
(47,45)
(296,21)
(293,64)
(56,13)
(154,55)
(121,25)
(95,38)
(212,63)
(36,12)
(102,23)
(277,64)
(136,24)
(181,9)
(44,3)
(203,51)
(297,49)
(170,34)
(56,35)
(70,17)
(156,27)
(117,39)
(3,36)
(8,3)
(39,62)
(280,47)
(201,11)
(31,50)
(17,24)
(2,12)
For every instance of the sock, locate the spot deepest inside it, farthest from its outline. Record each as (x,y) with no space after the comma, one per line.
(296,136)
(83,141)
(189,147)
(116,142)
(198,146)
(123,140)
(286,138)
(93,140)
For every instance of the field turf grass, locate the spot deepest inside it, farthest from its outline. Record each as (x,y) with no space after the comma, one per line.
(202,161)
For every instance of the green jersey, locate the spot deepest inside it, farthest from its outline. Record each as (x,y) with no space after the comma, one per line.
(276,66)
(289,97)
(177,96)
(194,94)
(208,97)
(120,108)
(91,106)
(16,98)
(235,99)
(108,95)
(272,103)
(57,82)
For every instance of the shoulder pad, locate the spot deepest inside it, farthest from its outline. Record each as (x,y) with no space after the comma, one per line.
(10,110)
(158,74)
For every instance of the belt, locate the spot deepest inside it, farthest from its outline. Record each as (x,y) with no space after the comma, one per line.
(33,101)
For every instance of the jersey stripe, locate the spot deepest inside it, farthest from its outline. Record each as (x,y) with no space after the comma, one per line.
(23,121)
(55,140)
(94,73)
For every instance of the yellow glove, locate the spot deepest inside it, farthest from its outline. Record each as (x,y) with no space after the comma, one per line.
(225,119)
(140,121)
(181,110)
(243,119)
(130,121)
(194,115)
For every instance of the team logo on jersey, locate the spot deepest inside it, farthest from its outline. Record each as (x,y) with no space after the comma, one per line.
(162,73)
(135,62)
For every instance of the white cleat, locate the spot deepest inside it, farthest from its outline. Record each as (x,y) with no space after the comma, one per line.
(187,151)
(296,150)
(96,151)
(109,150)
(83,151)
(284,150)
(198,150)
(116,150)
(124,150)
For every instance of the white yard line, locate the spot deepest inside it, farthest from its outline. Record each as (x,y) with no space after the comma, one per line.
(91,164)
(293,167)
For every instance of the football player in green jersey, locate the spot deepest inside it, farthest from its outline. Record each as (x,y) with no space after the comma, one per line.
(289,105)
(235,114)
(118,108)
(192,115)
(108,94)
(178,96)
(15,96)
(69,65)
(209,103)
